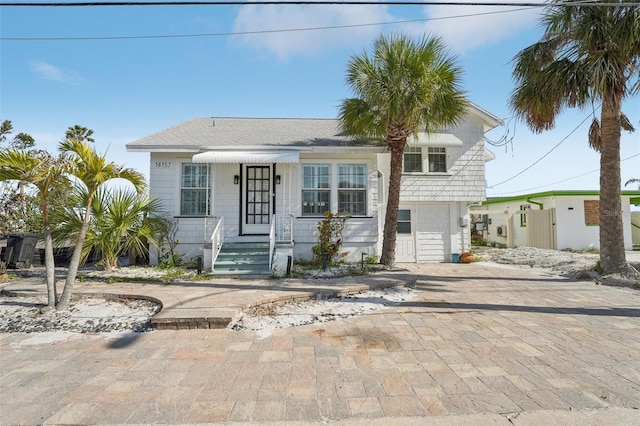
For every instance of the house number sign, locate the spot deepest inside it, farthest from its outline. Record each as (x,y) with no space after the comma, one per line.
(163,164)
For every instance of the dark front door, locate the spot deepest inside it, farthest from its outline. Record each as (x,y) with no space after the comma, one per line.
(257,200)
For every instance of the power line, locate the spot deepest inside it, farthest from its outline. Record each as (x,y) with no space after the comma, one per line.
(282,30)
(321,2)
(563,180)
(545,155)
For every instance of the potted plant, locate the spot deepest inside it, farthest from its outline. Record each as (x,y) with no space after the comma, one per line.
(466,257)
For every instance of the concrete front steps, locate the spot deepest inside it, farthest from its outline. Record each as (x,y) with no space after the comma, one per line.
(240,258)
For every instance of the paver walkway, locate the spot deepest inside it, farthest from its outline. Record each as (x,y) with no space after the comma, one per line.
(477,340)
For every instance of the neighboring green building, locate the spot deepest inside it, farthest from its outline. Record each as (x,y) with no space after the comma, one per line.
(554,219)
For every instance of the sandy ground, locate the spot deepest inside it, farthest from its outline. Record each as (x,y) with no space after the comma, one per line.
(91,315)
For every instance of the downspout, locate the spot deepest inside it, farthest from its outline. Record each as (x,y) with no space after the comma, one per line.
(541,206)
(536,203)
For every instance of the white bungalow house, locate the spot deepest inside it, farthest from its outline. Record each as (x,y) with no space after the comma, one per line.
(555,219)
(234,181)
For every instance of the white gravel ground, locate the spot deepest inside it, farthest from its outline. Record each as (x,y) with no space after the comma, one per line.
(265,319)
(93,315)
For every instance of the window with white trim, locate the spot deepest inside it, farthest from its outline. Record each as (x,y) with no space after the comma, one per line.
(352,189)
(437,159)
(195,189)
(316,194)
(412,159)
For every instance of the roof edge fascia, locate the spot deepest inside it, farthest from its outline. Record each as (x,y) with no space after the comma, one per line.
(159,148)
(262,148)
(569,193)
(340,149)
(492,121)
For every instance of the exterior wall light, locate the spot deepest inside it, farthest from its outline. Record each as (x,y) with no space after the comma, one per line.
(236,179)
(277,179)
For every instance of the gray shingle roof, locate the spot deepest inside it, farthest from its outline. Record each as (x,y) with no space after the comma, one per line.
(213,132)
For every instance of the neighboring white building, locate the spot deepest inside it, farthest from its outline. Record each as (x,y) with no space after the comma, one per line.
(255,179)
(555,219)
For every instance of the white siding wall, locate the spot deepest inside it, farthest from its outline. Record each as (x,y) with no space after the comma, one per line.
(164,177)
(571,231)
(361,233)
(437,230)
(465,178)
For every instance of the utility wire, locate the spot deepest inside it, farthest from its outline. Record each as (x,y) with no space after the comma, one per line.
(282,30)
(561,181)
(545,155)
(321,2)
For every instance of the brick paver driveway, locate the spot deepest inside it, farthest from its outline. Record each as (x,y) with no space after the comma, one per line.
(475,339)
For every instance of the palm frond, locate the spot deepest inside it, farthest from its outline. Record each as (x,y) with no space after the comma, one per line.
(403,87)
(595,135)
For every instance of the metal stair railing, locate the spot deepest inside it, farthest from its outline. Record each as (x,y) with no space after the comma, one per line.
(272,240)
(217,239)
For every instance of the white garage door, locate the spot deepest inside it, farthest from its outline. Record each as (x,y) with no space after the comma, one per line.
(433,238)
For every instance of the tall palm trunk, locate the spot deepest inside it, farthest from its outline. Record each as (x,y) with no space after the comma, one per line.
(74,263)
(612,255)
(396,147)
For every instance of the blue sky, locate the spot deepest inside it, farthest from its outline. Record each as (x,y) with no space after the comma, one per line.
(125,89)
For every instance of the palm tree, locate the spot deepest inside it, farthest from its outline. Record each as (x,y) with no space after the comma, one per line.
(44,171)
(588,55)
(121,221)
(403,88)
(92,171)
(80,133)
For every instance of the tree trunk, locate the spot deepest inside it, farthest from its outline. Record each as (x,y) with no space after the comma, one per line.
(49,261)
(388,256)
(74,263)
(612,255)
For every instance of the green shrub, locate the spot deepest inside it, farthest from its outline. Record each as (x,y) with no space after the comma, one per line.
(329,237)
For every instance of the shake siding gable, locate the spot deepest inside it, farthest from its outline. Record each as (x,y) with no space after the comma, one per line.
(465,177)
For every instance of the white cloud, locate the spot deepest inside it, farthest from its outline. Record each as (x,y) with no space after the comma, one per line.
(486,25)
(53,73)
(476,25)
(286,44)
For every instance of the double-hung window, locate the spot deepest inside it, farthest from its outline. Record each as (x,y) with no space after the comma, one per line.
(437,160)
(413,159)
(352,189)
(316,194)
(195,189)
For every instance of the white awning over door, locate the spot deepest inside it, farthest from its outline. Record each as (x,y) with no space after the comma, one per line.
(251,157)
